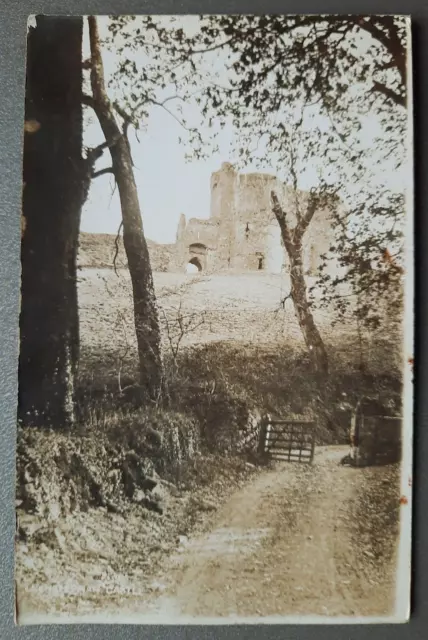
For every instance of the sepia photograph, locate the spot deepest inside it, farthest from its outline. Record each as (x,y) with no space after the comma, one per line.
(215,409)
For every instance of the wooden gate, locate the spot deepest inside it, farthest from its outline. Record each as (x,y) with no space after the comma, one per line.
(290,440)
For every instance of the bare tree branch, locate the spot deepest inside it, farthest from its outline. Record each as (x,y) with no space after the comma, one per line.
(102,172)
(172,114)
(116,244)
(88,101)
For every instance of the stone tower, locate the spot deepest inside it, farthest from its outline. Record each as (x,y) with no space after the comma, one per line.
(223,184)
(181,228)
(242,232)
(223,211)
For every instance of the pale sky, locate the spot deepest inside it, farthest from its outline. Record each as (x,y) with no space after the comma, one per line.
(168,185)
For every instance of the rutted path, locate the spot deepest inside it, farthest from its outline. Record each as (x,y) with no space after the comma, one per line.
(297,540)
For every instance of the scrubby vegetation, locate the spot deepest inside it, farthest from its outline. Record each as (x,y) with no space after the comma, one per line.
(218,384)
(213,393)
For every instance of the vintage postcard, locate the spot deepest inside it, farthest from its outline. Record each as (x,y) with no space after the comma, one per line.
(216,327)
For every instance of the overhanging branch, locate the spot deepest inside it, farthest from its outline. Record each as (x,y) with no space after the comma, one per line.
(379,87)
(162,105)
(102,172)
(116,245)
(88,101)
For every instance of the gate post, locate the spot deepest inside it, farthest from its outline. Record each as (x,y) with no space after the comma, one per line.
(312,444)
(262,435)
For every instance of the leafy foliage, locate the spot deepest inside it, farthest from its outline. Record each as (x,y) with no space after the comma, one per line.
(319,100)
(314,89)
(151,73)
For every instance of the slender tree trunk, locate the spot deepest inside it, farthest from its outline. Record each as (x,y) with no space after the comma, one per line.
(292,239)
(299,296)
(49,338)
(145,308)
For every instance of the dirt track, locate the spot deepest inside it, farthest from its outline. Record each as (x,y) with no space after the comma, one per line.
(297,540)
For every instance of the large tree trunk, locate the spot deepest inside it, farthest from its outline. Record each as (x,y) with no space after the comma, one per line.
(145,308)
(292,239)
(52,203)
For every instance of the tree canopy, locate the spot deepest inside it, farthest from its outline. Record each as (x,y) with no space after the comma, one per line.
(319,99)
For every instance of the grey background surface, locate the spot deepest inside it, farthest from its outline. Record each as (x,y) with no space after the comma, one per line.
(13,15)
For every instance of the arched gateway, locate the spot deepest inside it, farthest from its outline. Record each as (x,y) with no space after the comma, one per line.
(193,266)
(197,258)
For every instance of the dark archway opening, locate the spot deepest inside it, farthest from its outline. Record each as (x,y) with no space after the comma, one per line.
(194,266)
(199,248)
(260,265)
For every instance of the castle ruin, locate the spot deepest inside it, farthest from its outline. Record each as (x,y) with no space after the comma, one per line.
(242,232)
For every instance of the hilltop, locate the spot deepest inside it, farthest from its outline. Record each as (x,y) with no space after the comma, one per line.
(97,251)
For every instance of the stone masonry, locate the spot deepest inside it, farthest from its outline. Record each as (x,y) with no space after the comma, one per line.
(242,233)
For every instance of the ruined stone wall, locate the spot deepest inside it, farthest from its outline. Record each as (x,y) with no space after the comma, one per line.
(98,250)
(250,225)
(257,234)
(197,242)
(162,256)
(203,232)
(242,233)
(253,195)
(223,190)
